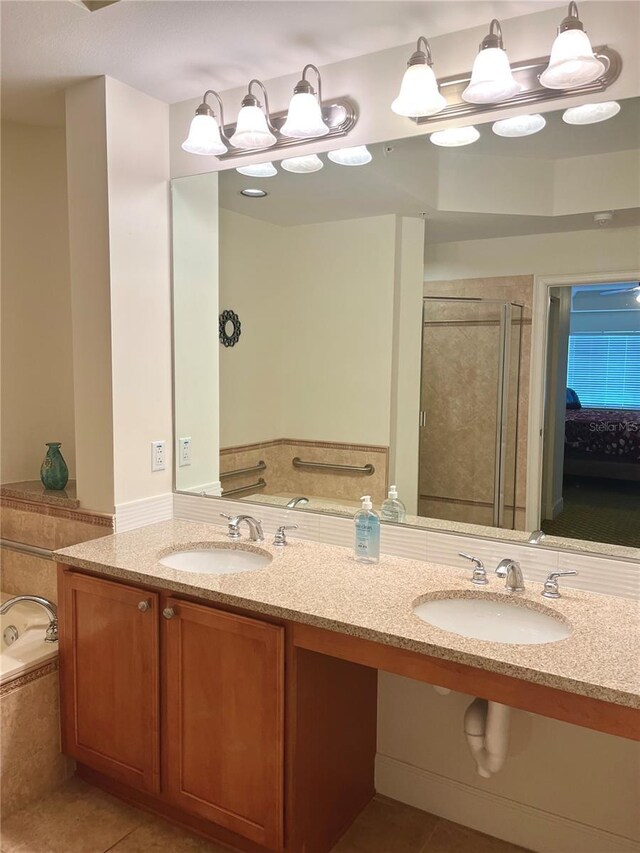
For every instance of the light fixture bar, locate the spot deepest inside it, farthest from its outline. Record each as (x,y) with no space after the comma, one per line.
(340,115)
(527,73)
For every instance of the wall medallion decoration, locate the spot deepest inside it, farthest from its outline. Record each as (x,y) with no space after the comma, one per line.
(229,328)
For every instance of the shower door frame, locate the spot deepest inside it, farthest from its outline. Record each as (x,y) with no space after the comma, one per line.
(502,417)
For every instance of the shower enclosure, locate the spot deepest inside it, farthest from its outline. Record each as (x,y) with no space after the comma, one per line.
(469,410)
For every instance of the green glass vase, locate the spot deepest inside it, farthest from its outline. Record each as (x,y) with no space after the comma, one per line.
(54,472)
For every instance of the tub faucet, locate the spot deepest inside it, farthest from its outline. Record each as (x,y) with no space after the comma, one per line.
(510,569)
(51,634)
(294,502)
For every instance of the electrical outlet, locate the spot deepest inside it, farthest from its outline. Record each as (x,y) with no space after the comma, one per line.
(184,451)
(158,455)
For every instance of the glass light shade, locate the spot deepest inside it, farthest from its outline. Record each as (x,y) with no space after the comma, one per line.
(359,155)
(252,130)
(419,94)
(258,170)
(491,78)
(204,137)
(454,137)
(519,125)
(591,113)
(572,62)
(304,119)
(303,165)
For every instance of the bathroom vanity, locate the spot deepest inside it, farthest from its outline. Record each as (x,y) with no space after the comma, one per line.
(243,704)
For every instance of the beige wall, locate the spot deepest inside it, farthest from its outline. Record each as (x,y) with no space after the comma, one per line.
(196,347)
(560,769)
(37,361)
(316,305)
(118,166)
(252,283)
(589,251)
(138,205)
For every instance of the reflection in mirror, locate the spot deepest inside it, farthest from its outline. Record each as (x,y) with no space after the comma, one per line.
(387,330)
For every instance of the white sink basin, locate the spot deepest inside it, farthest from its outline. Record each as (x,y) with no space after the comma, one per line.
(488,619)
(217,561)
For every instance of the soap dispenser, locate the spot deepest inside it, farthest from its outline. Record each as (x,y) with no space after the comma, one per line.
(393,509)
(367,524)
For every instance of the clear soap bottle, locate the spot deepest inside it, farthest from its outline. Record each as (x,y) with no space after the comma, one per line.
(393,509)
(367,529)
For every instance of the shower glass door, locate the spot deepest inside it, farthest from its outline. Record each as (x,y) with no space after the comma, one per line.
(469,410)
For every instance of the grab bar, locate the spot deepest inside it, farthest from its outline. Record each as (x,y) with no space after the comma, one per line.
(259,467)
(252,488)
(22,548)
(368,470)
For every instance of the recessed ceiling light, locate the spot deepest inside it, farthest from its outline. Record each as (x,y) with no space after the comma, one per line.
(519,125)
(253,193)
(453,137)
(258,170)
(357,156)
(302,165)
(591,113)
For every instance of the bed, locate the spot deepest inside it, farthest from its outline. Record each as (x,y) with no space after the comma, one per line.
(603,443)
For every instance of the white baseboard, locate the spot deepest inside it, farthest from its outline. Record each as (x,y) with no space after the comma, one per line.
(135,514)
(512,821)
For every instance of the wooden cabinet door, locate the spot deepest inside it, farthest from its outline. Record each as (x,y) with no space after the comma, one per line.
(224,719)
(109,674)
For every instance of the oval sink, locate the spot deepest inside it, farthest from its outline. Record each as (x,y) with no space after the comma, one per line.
(489,619)
(216,561)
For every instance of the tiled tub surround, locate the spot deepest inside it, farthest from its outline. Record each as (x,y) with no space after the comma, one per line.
(322,585)
(282,478)
(32,764)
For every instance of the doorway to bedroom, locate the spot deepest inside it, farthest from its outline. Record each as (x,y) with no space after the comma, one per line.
(591,460)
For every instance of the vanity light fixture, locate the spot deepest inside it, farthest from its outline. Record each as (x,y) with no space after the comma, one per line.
(258,170)
(419,92)
(591,113)
(304,119)
(253,127)
(519,126)
(454,137)
(491,77)
(302,165)
(252,192)
(359,155)
(572,62)
(205,136)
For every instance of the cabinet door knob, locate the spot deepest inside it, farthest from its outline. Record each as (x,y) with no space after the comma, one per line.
(143,606)
(168,613)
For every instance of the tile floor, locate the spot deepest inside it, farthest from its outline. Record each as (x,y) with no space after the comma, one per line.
(80,819)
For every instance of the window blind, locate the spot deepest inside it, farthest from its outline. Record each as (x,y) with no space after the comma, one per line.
(604,370)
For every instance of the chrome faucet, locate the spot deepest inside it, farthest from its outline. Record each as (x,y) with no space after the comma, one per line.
(51,634)
(510,569)
(536,537)
(294,502)
(255,527)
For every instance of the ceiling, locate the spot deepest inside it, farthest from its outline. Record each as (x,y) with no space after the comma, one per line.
(402,179)
(174,49)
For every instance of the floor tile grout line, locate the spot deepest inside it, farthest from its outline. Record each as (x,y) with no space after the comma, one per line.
(427,843)
(124,837)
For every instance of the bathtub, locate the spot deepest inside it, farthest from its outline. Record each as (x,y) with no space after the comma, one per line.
(29,651)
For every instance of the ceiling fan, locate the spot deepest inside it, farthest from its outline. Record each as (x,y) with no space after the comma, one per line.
(635,288)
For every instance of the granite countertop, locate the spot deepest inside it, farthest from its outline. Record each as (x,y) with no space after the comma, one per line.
(33,490)
(323,585)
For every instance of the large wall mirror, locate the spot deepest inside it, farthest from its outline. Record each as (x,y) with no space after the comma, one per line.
(384,316)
